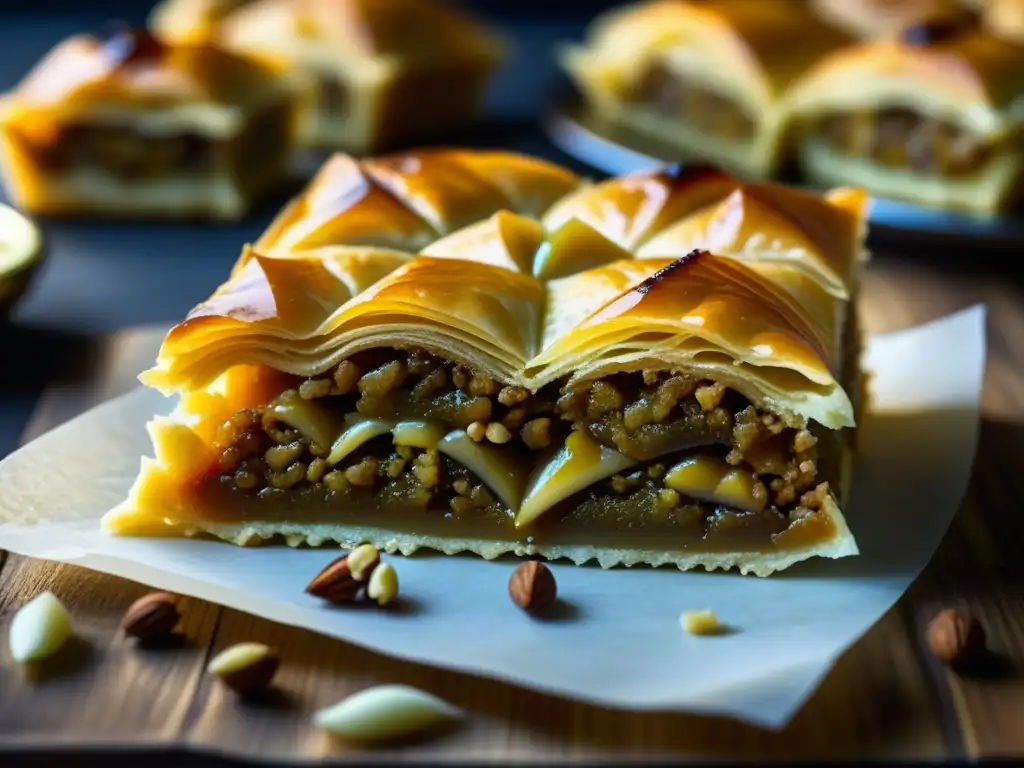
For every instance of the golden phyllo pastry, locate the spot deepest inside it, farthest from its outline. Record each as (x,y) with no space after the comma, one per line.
(933,117)
(122,124)
(479,351)
(191,20)
(374,72)
(705,79)
(872,19)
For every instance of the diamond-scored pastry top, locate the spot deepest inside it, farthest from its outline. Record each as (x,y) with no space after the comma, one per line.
(511,255)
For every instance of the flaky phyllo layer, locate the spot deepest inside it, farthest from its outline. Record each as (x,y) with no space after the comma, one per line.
(480,351)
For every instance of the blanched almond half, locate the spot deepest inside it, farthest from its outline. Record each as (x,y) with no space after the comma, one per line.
(386,712)
(39,629)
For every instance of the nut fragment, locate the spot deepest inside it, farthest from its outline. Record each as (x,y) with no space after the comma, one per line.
(362,561)
(385,712)
(383,586)
(151,616)
(39,629)
(703,622)
(335,583)
(246,668)
(955,636)
(532,586)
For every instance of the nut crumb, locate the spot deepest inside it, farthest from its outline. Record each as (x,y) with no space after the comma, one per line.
(703,622)
(956,637)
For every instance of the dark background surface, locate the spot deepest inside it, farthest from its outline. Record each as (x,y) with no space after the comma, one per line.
(101,277)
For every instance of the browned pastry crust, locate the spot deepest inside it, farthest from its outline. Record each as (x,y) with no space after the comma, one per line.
(122,124)
(373,73)
(932,116)
(480,351)
(706,79)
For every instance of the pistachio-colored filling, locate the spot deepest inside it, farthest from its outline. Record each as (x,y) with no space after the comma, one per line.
(673,96)
(903,138)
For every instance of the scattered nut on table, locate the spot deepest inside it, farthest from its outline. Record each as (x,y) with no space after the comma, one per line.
(955,637)
(39,629)
(351,575)
(152,616)
(245,668)
(702,622)
(383,584)
(532,586)
(386,712)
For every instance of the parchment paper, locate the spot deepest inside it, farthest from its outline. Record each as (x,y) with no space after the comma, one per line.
(618,642)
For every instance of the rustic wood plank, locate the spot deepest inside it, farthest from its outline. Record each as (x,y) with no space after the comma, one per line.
(884,699)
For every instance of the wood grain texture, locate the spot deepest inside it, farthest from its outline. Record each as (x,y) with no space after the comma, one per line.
(885,698)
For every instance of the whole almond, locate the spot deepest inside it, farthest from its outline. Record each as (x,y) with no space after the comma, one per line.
(39,629)
(955,636)
(246,668)
(152,616)
(532,586)
(335,583)
(385,712)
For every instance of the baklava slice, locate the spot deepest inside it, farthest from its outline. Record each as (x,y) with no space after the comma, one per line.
(121,124)
(375,73)
(552,378)
(932,117)
(872,19)
(704,80)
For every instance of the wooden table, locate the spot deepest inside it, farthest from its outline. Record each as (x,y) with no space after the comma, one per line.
(886,698)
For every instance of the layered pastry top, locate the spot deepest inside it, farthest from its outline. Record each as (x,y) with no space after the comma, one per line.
(933,115)
(707,78)
(120,122)
(375,72)
(469,350)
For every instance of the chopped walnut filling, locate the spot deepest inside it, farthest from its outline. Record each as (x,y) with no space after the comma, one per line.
(705,454)
(905,139)
(673,96)
(419,385)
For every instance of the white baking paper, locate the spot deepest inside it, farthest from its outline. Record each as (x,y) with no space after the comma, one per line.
(618,642)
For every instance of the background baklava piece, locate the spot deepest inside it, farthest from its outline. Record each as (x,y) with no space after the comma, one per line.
(191,20)
(870,19)
(704,79)
(931,117)
(121,124)
(375,72)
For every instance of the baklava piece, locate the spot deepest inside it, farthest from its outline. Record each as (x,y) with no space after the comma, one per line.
(873,19)
(653,369)
(932,117)
(375,73)
(123,125)
(704,80)
(194,21)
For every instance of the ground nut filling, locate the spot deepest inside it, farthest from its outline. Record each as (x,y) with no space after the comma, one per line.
(660,419)
(417,385)
(649,414)
(903,138)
